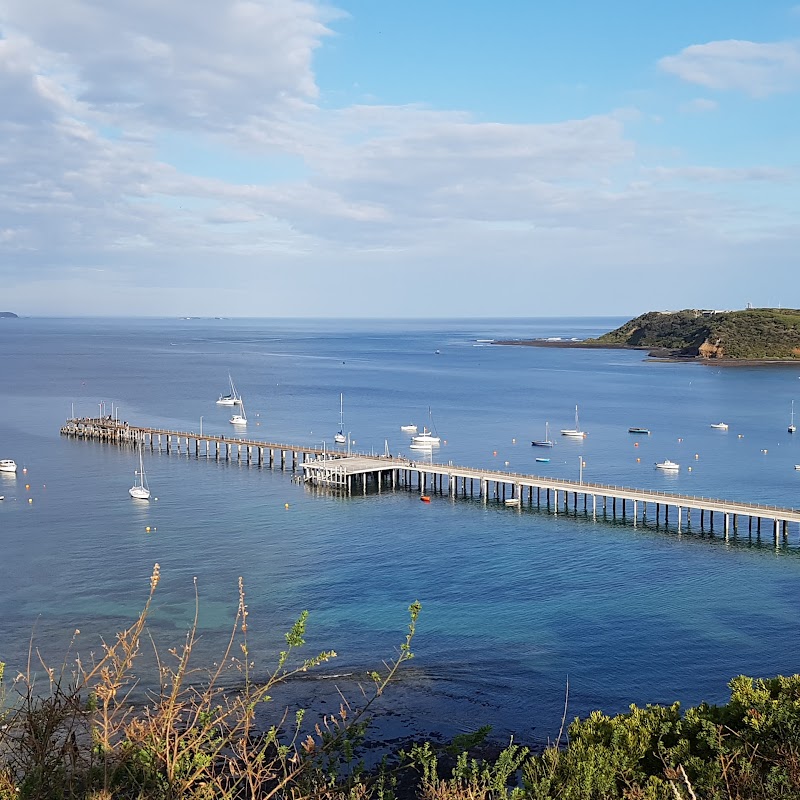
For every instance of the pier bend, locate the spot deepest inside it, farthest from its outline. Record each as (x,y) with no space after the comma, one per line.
(347,472)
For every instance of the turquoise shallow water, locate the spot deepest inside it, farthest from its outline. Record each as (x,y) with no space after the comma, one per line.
(514,603)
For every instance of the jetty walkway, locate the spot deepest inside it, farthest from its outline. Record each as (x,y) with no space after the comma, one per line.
(349,472)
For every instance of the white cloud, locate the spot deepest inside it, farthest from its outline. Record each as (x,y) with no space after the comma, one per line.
(757,69)
(208,64)
(699,105)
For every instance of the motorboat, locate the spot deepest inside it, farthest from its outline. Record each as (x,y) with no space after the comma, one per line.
(7,465)
(511,501)
(408,428)
(720,426)
(667,465)
(639,430)
(546,442)
(576,431)
(340,437)
(140,490)
(543,460)
(241,417)
(230,399)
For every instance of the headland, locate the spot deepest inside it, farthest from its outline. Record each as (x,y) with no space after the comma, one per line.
(749,337)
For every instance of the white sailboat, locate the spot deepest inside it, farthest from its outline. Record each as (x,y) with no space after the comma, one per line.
(230,399)
(576,431)
(546,442)
(427,439)
(140,489)
(792,426)
(240,417)
(340,437)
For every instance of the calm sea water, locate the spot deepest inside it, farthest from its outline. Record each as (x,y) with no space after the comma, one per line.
(514,603)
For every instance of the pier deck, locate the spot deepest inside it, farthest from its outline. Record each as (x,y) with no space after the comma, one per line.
(349,472)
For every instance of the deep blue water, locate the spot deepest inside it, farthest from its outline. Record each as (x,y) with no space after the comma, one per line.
(514,603)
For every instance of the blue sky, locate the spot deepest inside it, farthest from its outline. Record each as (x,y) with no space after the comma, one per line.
(362,159)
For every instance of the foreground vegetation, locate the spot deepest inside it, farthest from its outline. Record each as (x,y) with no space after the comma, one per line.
(756,333)
(196,736)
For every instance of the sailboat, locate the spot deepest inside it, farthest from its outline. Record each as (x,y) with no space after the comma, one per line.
(340,438)
(546,441)
(140,490)
(792,426)
(576,431)
(426,439)
(239,418)
(230,399)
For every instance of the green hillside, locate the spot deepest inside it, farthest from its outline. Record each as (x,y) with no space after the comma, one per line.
(755,333)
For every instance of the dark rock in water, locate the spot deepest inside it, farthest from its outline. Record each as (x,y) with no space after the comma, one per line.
(8,314)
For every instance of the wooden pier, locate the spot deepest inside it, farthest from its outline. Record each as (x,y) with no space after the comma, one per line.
(348,473)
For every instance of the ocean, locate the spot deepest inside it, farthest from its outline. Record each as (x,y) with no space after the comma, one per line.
(517,603)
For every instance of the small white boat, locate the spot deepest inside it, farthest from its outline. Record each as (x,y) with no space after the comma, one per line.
(720,426)
(140,489)
(546,442)
(408,428)
(241,417)
(230,399)
(512,501)
(7,465)
(797,466)
(667,465)
(340,437)
(425,439)
(576,431)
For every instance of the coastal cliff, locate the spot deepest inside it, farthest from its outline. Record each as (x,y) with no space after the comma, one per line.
(757,334)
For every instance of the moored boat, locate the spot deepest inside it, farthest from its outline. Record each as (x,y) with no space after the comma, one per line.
(547,441)
(639,430)
(720,426)
(667,465)
(230,399)
(241,417)
(576,431)
(340,437)
(140,490)
(8,465)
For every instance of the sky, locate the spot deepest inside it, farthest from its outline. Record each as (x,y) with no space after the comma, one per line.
(291,158)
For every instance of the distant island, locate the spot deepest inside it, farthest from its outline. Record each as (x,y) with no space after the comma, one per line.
(752,335)
(8,315)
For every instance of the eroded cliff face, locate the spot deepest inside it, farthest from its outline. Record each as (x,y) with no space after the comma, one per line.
(711,350)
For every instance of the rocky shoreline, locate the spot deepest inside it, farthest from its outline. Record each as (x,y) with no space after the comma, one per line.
(653,354)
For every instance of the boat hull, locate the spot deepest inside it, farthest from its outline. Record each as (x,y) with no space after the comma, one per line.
(7,465)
